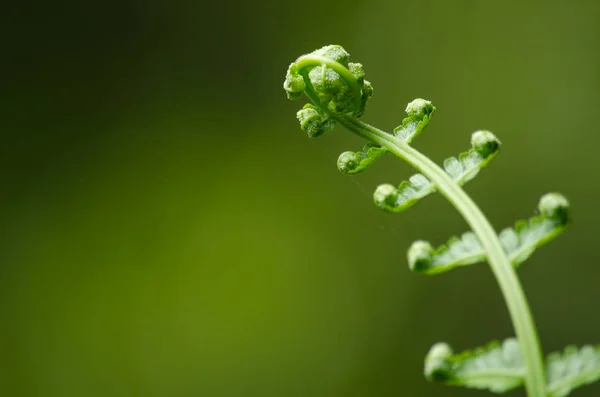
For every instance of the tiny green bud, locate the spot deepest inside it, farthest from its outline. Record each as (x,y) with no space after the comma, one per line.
(385,196)
(555,206)
(367,92)
(485,143)
(325,81)
(419,256)
(293,96)
(313,121)
(341,102)
(357,70)
(335,52)
(437,366)
(294,84)
(419,108)
(348,161)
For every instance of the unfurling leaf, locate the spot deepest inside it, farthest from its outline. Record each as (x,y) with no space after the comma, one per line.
(314,121)
(419,114)
(467,166)
(351,163)
(392,199)
(330,80)
(500,368)
(518,242)
(496,367)
(338,94)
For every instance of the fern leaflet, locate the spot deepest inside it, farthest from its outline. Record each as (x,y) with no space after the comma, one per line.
(419,114)
(485,146)
(500,368)
(351,163)
(519,242)
(497,367)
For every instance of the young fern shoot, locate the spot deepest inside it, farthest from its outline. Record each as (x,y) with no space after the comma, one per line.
(338,94)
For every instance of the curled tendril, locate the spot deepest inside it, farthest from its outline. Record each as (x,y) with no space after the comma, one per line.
(555,206)
(419,114)
(437,366)
(332,83)
(351,163)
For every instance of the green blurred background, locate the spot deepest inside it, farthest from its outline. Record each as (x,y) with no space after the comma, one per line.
(168,230)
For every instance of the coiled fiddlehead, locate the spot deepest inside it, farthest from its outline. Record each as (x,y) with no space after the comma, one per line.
(332,83)
(338,94)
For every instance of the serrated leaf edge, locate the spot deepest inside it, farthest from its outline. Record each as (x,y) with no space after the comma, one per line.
(563,387)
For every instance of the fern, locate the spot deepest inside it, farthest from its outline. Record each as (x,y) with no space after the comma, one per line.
(338,95)
(461,170)
(518,242)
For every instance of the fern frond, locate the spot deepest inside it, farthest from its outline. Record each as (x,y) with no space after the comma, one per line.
(497,367)
(485,146)
(572,368)
(519,242)
(338,94)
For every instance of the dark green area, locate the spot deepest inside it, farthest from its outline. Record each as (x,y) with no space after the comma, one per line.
(168,230)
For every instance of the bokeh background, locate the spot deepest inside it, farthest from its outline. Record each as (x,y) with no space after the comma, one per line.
(168,230)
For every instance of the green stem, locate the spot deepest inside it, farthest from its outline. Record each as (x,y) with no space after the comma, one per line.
(524,326)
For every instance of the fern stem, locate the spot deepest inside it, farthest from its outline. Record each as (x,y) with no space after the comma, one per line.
(523,323)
